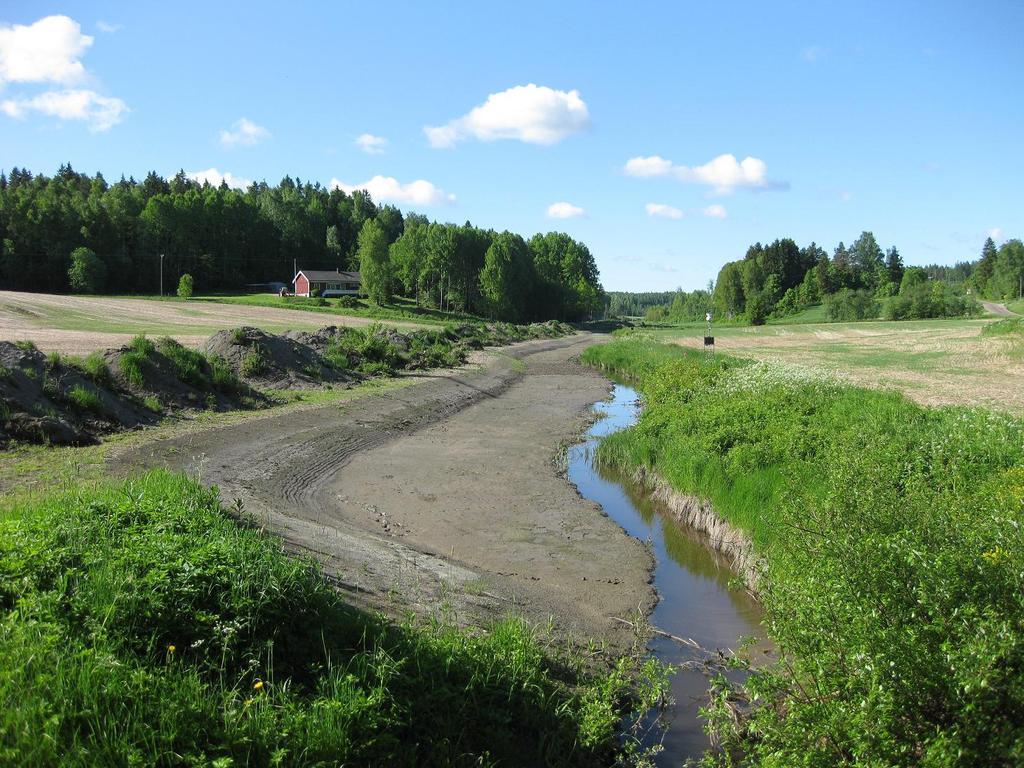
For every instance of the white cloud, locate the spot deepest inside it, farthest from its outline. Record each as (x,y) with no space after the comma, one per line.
(107,27)
(723,174)
(996,233)
(715,211)
(372,145)
(417,192)
(664,211)
(100,112)
(244,133)
(215,177)
(45,51)
(534,114)
(565,211)
(644,167)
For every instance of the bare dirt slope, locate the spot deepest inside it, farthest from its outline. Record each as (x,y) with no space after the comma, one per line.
(441,496)
(81,324)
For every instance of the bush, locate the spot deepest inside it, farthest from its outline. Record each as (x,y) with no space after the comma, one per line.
(924,300)
(185,287)
(848,305)
(88,272)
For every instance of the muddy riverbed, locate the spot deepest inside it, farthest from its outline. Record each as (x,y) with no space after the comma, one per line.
(692,580)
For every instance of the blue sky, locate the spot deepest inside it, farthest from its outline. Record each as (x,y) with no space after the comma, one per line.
(902,118)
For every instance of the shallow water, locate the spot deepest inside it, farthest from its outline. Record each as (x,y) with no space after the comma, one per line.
(692,580)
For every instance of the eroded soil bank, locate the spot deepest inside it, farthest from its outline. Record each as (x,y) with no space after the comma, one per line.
(440,497)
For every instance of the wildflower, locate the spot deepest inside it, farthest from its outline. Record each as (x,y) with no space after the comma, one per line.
(258,685)
(171,648)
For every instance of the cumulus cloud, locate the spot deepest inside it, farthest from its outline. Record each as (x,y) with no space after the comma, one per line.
(417,192)
(244,133)
(565,211)
(45,51)
(663,211)
(715,211)
(372,145)
(99,112)
(723,174)
(531,113)
(996,233)
(215,177)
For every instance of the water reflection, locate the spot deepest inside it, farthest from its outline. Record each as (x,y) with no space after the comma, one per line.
(692,580)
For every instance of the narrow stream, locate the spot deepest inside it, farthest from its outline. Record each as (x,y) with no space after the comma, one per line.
(690,577)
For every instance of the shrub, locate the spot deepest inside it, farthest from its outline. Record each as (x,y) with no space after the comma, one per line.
(922,300)
(848,305)
(185,286)
(88,272)
(349,302)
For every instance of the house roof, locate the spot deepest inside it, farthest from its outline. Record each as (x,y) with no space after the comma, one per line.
(328,275)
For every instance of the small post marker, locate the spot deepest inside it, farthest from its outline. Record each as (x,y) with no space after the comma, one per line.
(709,340)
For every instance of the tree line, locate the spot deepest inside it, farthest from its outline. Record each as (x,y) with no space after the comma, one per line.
(856,282)
(227,238)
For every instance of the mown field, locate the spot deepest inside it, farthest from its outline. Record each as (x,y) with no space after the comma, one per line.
(892,536)
(934,362)
(79,324)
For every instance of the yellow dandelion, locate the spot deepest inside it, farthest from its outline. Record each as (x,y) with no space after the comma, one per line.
(171,649)
(258,685)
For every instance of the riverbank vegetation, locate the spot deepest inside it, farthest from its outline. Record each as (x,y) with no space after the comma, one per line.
(140,623)
(75,231)
(893,554)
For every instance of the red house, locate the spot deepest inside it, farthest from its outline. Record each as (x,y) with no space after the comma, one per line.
(326,283)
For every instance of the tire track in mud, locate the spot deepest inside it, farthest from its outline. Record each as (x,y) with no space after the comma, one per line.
(284,468)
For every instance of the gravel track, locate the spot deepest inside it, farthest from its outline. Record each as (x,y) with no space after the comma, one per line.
(443,498)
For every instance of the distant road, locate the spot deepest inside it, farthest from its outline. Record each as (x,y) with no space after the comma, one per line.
(997,309)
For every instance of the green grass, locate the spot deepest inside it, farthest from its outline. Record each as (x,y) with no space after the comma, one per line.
(1012,326)
(893,537)
(401,309)
(1016,306)
(85,399)
(141,624)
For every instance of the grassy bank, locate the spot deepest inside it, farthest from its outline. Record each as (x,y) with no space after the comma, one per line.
(141,624)
(894,584)
(400,309)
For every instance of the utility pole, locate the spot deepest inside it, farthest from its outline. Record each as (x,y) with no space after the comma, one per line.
(161,275)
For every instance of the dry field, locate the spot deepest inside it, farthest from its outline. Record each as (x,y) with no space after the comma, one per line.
(81,324)
(935,362)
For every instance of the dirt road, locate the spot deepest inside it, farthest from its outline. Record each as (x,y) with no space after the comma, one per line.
(997,309)
(442,497)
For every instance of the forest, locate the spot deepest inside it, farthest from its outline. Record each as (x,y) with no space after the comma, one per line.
(856,282)
(228,238)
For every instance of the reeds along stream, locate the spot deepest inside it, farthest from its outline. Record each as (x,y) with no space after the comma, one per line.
(692,580)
